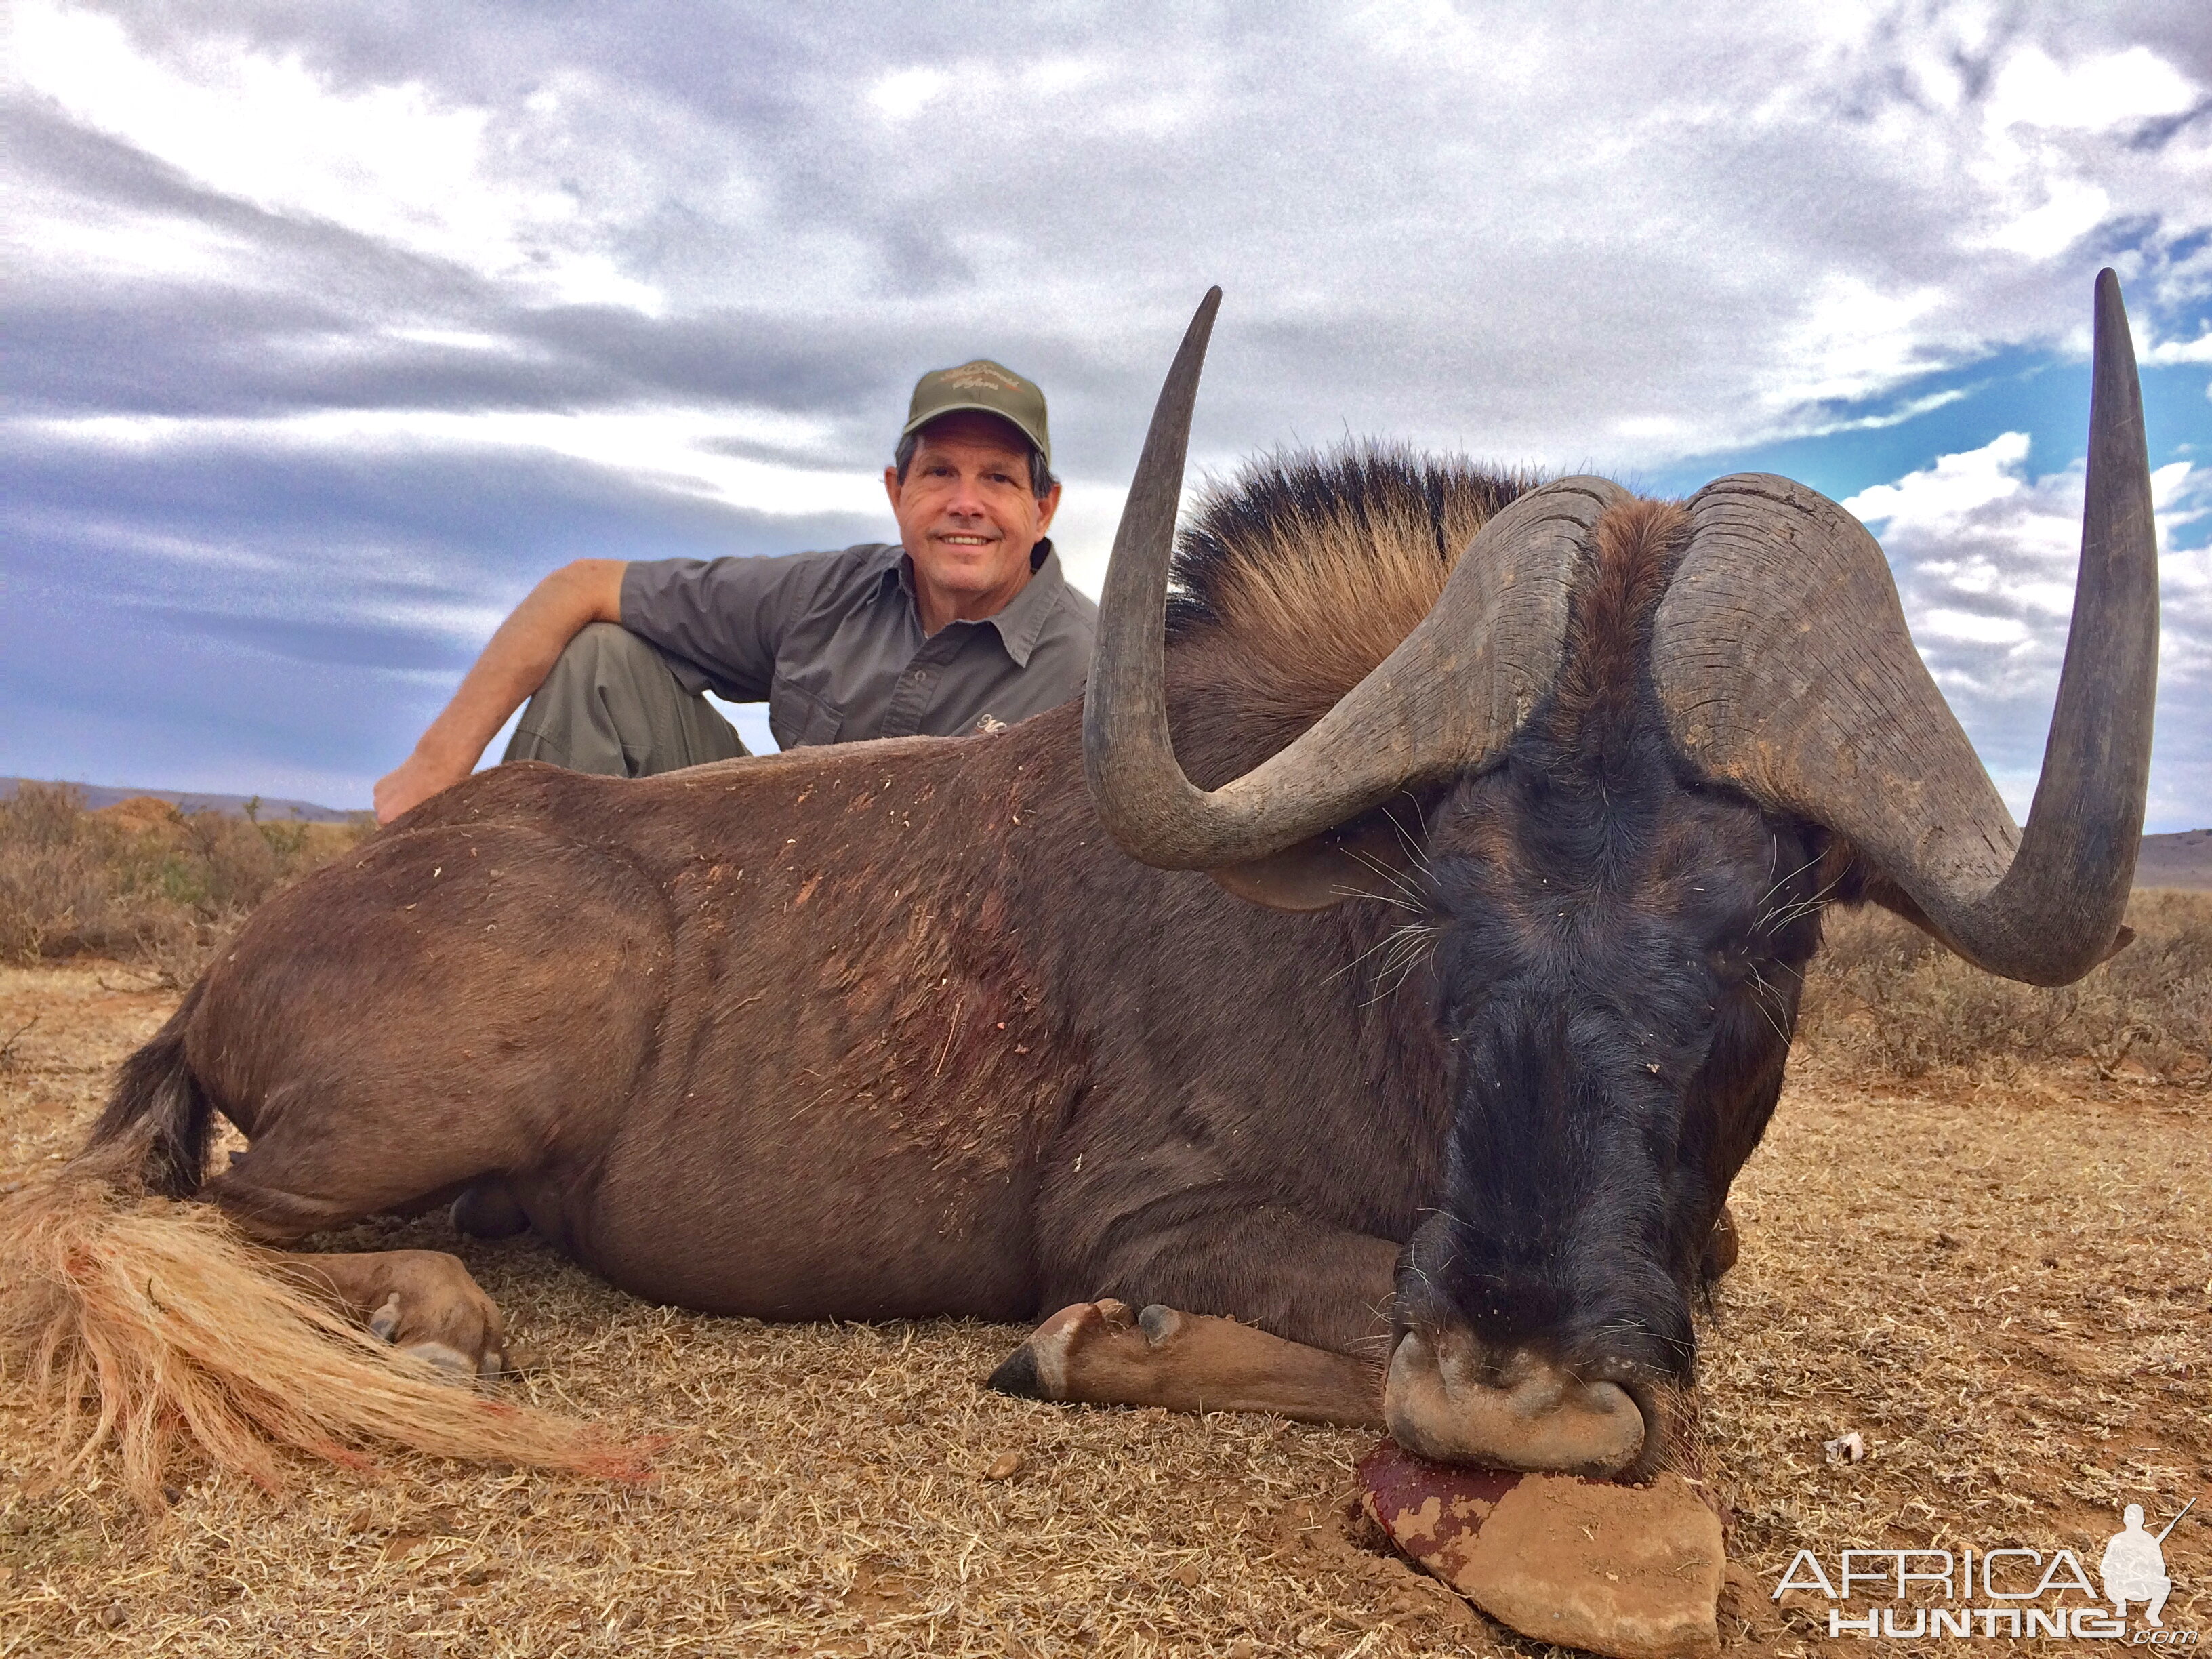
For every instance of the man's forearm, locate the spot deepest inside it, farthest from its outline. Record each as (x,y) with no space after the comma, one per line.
(514,664)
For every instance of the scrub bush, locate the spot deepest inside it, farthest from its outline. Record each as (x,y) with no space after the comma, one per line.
(142,881)
(1884,997)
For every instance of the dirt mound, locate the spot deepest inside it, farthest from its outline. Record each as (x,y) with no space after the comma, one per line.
(141,815)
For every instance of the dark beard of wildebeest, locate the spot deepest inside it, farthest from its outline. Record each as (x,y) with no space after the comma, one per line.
(1617,968)
(1440,1141)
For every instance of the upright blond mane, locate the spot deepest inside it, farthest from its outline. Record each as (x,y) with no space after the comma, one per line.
(1297,575)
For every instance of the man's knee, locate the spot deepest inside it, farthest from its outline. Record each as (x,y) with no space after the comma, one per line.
(594,710)
(613,704)
(601,647)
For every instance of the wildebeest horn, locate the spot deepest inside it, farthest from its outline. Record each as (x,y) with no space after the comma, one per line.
(1447,699)
(1784,667)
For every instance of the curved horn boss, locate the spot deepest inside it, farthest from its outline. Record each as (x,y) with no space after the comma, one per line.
(1785,669)
(1442,703)
(1783,666)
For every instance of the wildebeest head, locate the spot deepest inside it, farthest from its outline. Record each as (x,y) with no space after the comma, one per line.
(1650,742)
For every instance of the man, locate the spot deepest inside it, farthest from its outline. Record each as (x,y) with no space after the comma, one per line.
(965,625)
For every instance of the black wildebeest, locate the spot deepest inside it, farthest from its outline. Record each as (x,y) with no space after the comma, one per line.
(904,1028)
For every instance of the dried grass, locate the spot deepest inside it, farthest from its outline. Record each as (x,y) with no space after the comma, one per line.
(1883,999)
(2002,1285)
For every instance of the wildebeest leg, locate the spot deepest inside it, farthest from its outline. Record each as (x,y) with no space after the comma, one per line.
(423,1302)
(1296,1322)
(306,1171)
(1102,1353)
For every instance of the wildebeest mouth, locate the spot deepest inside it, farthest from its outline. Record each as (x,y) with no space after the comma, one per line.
(1442,1401)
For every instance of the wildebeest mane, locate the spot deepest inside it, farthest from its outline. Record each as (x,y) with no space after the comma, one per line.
(1296,575)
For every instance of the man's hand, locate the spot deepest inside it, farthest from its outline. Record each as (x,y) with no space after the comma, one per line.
(513,666)
(413,782)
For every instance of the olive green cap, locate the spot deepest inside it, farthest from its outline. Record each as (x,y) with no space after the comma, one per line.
(991,388)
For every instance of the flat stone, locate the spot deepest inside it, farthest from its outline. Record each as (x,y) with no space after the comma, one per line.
(1632,1572)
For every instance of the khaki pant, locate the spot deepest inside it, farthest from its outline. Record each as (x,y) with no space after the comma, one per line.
(613,706)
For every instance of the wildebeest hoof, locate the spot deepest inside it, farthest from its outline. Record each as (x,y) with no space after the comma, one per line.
(384,1323)
(1041,1368)
(454,1364)
(1158,1324)
(488,1210)
(1105,1353)
(1089,1352)
(1722,1245)
(422,1302)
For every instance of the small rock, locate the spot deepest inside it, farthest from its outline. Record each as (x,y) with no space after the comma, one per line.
(115,1618)
(1004,1467)
(1848,1447)
(1631,1571)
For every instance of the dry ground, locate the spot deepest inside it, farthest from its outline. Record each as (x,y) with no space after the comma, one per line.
(2003,1286)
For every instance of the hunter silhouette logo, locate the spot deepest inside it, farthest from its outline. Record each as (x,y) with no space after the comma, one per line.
(2009,1590)
(2133,1566)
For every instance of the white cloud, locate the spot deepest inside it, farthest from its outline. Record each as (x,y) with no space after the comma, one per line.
(2093,94)
(1973,628)
(906,93)
(1985,556)
(675,449)
(2073,210)
(398,162)
(1938,497)
(1439,230)
(2198,350)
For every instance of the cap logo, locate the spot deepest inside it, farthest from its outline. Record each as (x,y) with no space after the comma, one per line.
(980,377)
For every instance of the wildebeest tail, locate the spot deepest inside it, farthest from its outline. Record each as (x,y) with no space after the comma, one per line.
(153,1325)
(159,1119)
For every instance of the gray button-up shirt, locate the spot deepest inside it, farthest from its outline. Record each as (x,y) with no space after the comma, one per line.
(834,641)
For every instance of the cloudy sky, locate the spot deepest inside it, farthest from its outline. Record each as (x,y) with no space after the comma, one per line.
(330,327)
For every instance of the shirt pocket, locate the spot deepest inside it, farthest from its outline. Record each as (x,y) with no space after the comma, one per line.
(798,716)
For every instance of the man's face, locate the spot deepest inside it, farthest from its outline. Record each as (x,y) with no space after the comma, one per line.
(966,513)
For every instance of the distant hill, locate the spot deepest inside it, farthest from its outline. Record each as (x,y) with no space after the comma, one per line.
(2183,860)
(98,795)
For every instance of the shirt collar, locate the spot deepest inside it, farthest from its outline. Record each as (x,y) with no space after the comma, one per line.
(1021,622)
